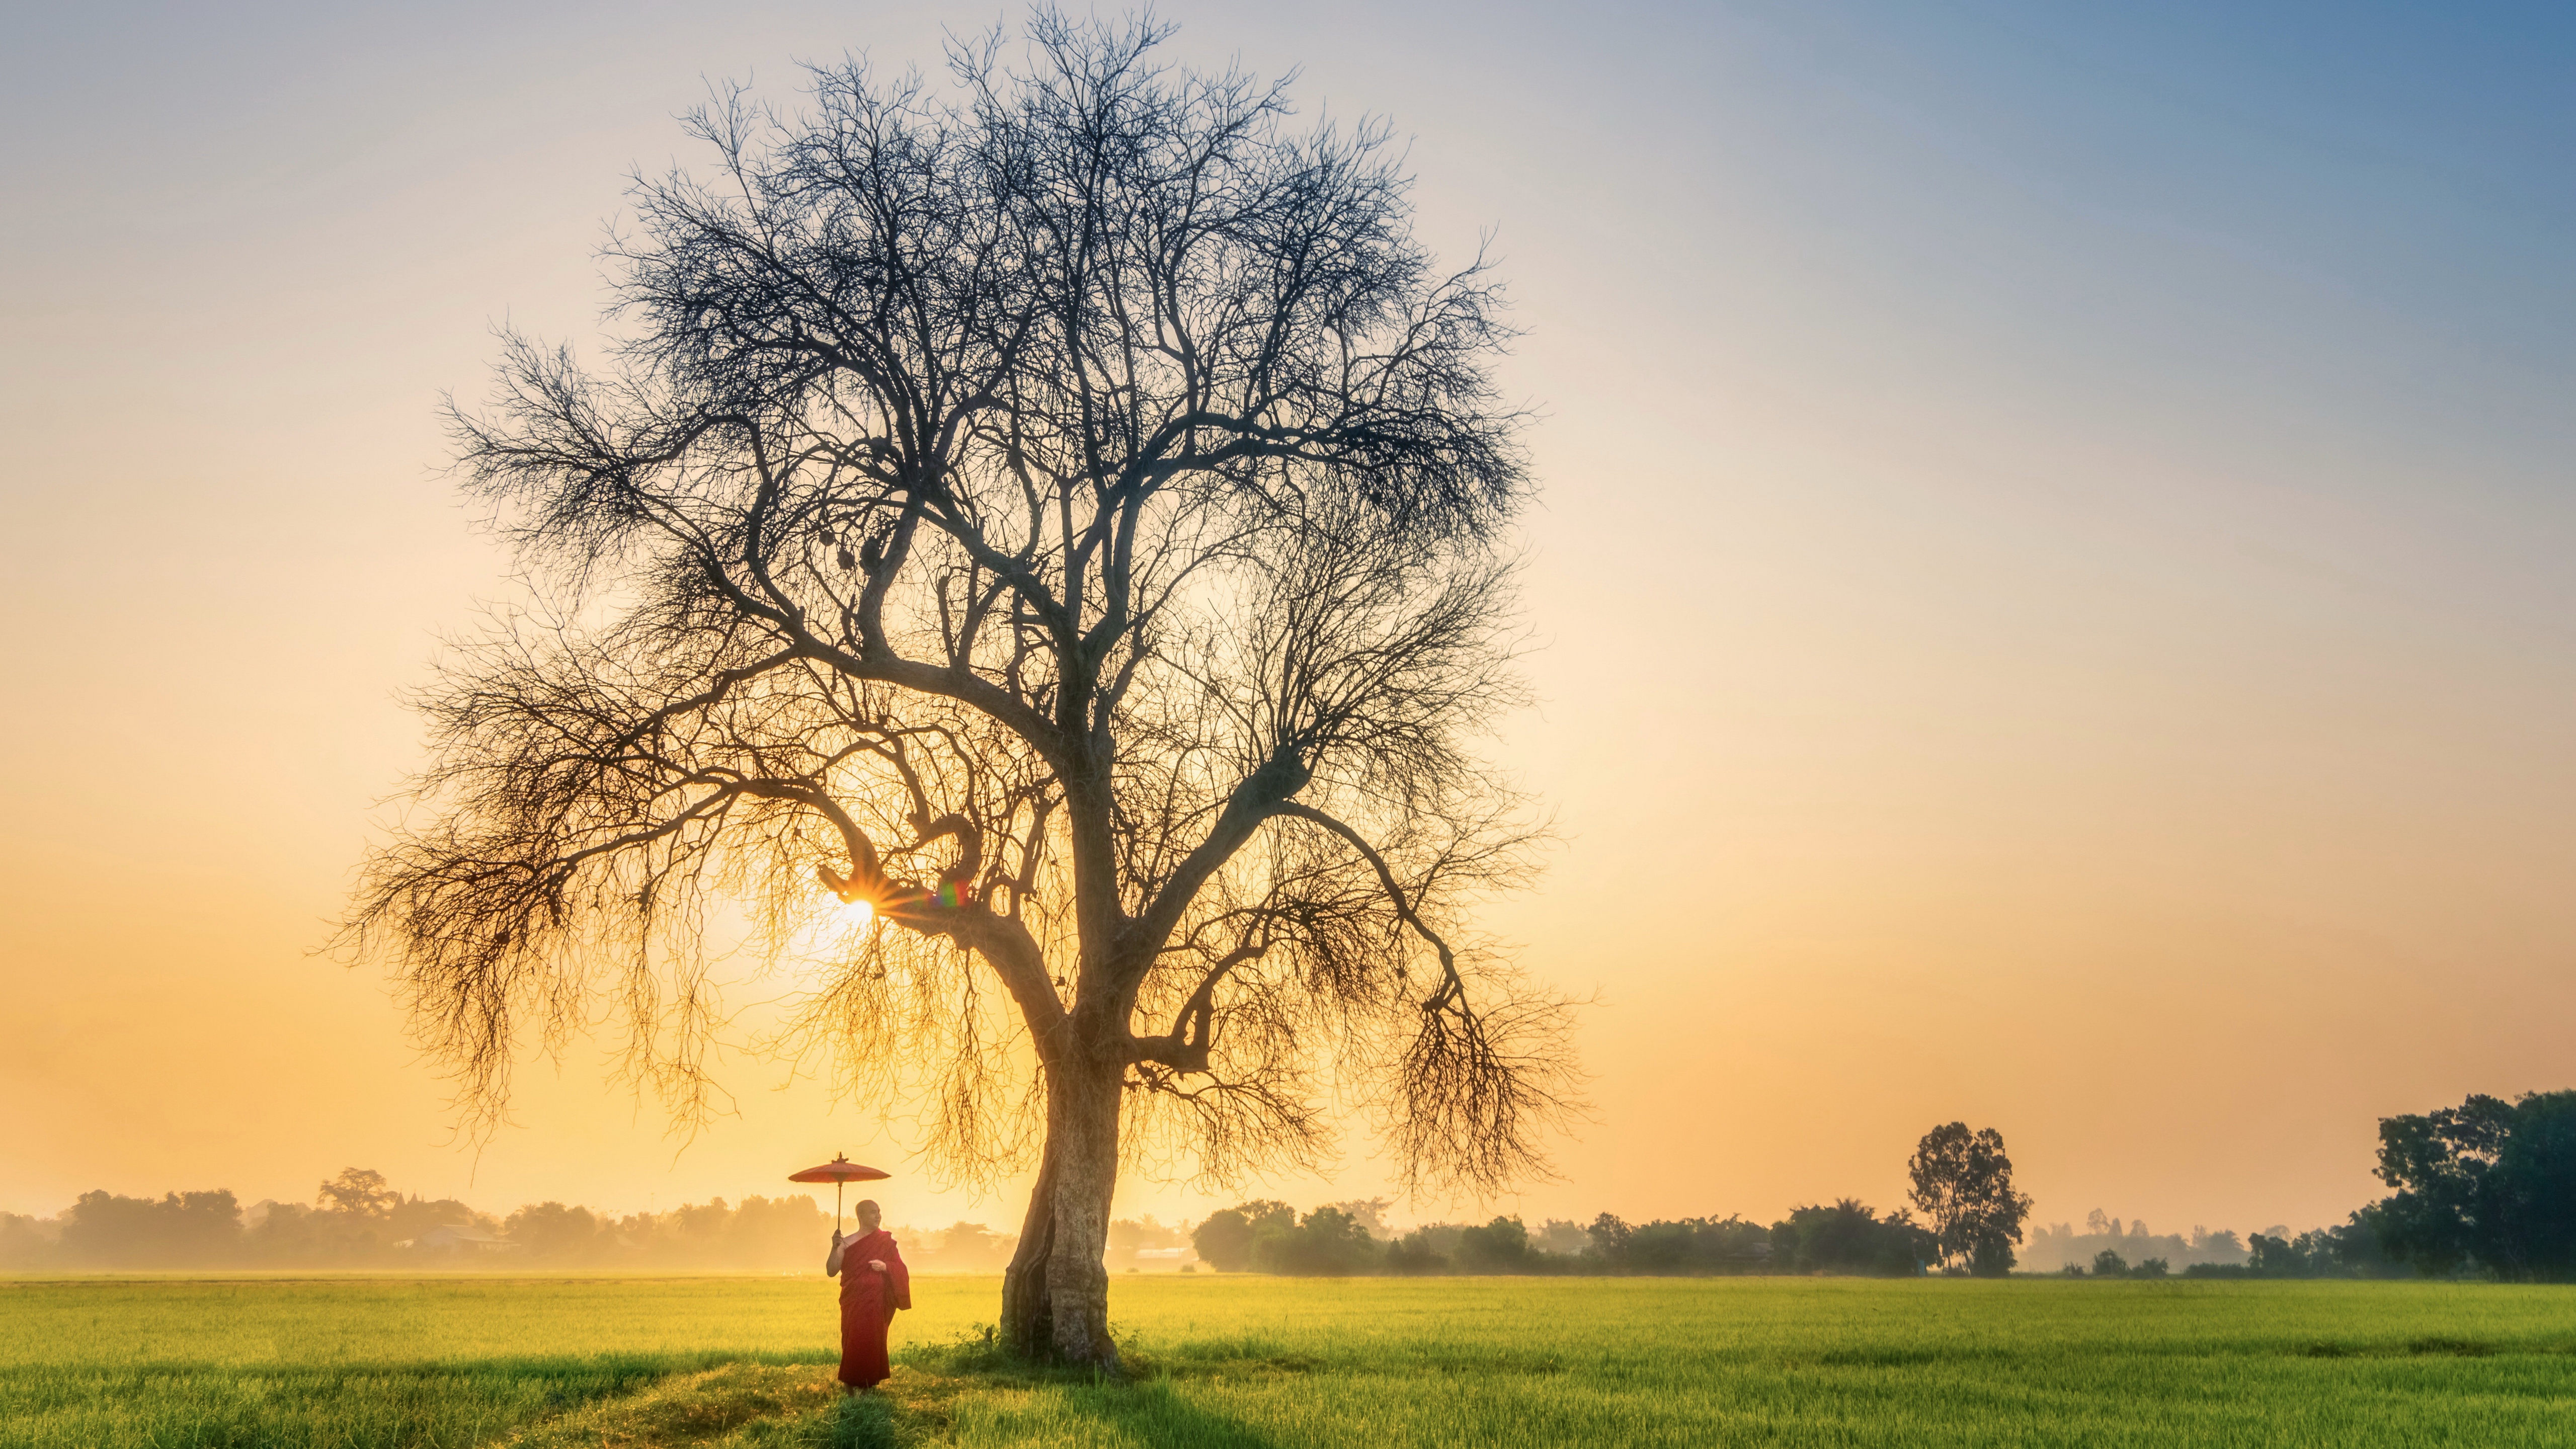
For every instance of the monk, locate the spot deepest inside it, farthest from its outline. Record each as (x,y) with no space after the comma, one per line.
(875,1285)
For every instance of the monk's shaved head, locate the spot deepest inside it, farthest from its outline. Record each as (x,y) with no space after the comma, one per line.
(869,1212)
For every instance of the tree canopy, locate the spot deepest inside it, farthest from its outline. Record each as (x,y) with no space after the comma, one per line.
(2487,1185)
(1963,1184)
(1067,515)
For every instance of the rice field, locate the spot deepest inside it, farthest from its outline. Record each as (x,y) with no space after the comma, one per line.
(1250,1361)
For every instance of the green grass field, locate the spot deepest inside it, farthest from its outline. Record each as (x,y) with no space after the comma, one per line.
(1276,1362)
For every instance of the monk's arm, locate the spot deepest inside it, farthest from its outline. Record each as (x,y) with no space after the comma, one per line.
(898,1279)
(832,1259)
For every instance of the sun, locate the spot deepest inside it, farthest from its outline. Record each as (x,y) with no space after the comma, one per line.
(857,912)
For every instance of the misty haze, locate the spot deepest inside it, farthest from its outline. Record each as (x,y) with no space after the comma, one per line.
(1298,724)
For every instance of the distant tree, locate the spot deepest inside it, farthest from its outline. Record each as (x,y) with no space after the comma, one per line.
(1130,1236)
(1684,1245)
(2270,1257)
(1561,1237)
(1848,1237)
(777,1233)
(359,1192)
(1328,1242)
(1071,516)
(2109,1264)
(1223,1239)
(551,1231)
(414,1216)
(2350,1251)
(1818,1238)
(2337,1253)
(180,1230)
(293,1234)
(970,1247)
(1609,1235)
(1416,1252)
(1274,1243)
(1370,1214)
(699,1234)
(1963,1184)
(26,1243)
(2220,1246)
(2488,1184)
(1141,1233)
(2151,1268)
(1500,1246)
(2360,1246)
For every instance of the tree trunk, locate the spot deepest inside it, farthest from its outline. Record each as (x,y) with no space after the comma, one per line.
(1055,1295)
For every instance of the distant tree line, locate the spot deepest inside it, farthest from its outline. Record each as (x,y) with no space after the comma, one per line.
(1337,1240)
(2486,1189)
(2355,1250)
(2483,1190)
(358,1220)
(1962,1183)
(2110,1247)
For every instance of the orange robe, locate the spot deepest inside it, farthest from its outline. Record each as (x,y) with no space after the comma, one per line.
(868,1303)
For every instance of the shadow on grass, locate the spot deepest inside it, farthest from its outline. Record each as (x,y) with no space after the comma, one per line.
(1156,1413)
(2417,1348)
(737,1404)
(748,1405)
(1144,1405)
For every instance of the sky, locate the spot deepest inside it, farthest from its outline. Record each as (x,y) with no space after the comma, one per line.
(2051,573)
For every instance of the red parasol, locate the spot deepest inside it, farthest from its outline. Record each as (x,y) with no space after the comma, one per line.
(837,1171)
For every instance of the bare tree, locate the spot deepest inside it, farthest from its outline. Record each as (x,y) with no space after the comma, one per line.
(1066,516)
(360,1192)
